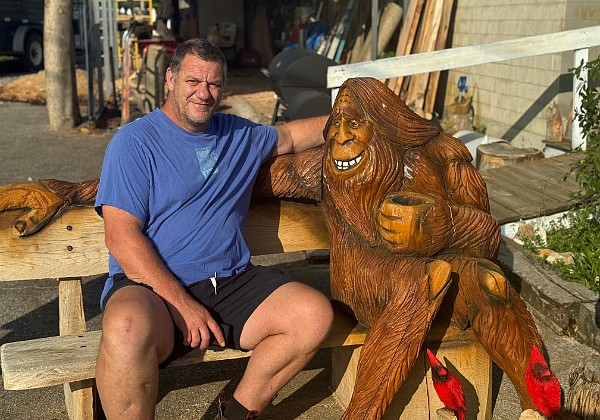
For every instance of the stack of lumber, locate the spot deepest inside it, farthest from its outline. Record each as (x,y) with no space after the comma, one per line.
(333,44)
(425,28)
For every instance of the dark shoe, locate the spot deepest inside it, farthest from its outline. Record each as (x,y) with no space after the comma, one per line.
(221,407)
(249,415)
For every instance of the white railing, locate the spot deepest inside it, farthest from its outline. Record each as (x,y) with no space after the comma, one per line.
(578,40)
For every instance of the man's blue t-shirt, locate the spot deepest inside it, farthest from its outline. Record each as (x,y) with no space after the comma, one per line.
(191,190)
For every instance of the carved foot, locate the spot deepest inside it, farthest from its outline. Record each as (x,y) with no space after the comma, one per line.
(41,201)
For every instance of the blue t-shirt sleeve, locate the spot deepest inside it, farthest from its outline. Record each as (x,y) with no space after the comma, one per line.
(125,177)
(263,138)
(266,138)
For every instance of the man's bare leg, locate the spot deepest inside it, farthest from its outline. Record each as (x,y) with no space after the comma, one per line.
(137,334)
(284,332)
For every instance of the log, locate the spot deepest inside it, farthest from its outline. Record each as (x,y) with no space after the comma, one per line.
(502,153)
(389,21)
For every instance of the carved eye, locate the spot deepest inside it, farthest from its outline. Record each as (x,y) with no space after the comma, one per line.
(354,123)
(336,122)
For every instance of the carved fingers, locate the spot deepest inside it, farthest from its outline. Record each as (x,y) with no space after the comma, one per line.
(38,204)
(476,233)
(296,175)
(415,224)
(465,185)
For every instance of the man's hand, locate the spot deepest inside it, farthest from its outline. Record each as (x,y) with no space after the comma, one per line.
(140,262)
(195,322)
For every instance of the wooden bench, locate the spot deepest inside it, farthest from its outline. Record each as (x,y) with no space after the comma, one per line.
(72,246)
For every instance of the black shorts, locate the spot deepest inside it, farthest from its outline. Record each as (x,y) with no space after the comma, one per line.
(235,300)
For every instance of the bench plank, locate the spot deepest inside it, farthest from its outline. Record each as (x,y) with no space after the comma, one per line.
(72,245)
(55,360)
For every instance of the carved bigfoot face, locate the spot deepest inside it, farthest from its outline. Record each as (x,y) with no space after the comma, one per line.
(349,134)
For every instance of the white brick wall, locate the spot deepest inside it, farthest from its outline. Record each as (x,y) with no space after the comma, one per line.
(508,95)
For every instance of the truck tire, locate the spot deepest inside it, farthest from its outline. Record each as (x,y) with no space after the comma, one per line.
(33,57)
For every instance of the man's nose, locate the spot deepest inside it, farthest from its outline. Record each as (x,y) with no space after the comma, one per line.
(202,91)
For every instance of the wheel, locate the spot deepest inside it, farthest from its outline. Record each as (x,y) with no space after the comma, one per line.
(33,59)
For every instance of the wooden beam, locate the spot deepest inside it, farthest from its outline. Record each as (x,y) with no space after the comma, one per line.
(442,37)
(458,57)
(426,41)
(79,396)
(72,245)
(52,361)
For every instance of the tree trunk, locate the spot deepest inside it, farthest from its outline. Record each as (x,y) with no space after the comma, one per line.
(59,64)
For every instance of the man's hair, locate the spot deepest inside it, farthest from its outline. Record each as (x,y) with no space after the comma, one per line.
(201,48)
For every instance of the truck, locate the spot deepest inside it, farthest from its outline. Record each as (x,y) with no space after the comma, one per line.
(21,32)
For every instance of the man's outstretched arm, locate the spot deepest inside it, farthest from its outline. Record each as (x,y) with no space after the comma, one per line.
(299,135)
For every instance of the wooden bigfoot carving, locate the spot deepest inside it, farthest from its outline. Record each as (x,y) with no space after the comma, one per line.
(412,243)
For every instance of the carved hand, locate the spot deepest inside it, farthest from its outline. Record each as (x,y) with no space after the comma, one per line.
(415,224)
(41,201)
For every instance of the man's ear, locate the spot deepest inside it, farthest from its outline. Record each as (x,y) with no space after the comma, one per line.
(169,77)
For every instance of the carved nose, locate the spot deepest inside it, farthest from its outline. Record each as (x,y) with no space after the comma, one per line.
(343,135)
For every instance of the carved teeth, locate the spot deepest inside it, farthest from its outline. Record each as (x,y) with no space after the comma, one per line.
(344,165)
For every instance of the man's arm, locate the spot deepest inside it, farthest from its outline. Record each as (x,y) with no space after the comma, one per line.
(130,247)
(299,135)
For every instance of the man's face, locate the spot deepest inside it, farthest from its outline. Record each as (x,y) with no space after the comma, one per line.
(196,92)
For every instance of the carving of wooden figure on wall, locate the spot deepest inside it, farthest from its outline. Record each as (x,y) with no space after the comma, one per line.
(412,242)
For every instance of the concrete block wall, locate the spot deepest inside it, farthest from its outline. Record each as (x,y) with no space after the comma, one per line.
(510,98)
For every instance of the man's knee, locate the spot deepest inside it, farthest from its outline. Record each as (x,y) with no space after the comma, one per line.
(294,311)
(313,316)
(132,324)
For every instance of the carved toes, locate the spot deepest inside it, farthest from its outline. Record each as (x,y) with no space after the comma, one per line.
(438,273)
(493,281)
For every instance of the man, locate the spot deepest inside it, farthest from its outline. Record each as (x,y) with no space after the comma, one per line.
(174,192)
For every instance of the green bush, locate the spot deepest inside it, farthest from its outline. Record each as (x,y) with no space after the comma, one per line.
(581,238)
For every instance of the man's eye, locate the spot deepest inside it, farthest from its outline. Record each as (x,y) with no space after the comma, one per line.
(353,123)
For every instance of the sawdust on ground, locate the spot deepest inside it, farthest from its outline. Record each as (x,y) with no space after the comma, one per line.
(31,88)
